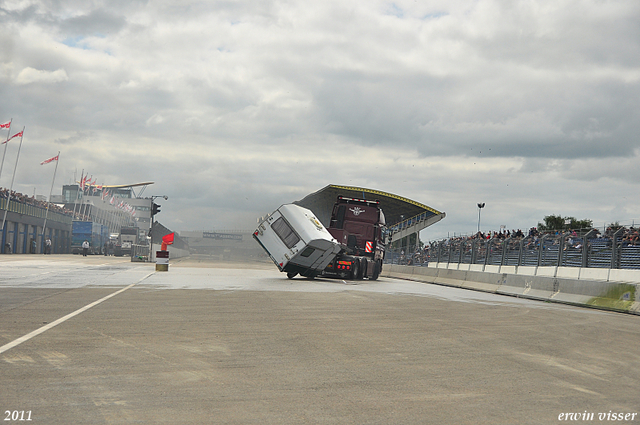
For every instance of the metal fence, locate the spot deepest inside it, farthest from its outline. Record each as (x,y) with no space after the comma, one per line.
(140,253)
(566,250)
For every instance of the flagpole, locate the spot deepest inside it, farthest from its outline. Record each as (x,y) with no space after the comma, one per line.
(83,205)
(46,214)
(4,219)
(83,199)
(75,202)
(6,143)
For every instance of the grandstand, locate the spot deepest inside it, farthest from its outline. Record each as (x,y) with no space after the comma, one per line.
(404,217)
(614,250)
(24,225)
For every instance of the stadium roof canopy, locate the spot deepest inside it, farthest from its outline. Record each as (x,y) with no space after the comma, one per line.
(116,187)
(396,208)
(121,186)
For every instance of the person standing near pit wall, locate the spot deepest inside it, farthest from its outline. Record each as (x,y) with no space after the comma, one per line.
(85,248)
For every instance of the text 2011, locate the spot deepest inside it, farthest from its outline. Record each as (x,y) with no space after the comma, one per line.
(17,415)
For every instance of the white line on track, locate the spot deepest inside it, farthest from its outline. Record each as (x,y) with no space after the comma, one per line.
(65,318)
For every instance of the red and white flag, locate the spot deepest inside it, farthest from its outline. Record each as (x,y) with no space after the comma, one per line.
(6,125)
(46,161)
(15,135)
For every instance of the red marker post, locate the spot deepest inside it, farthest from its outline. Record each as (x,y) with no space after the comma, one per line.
(162,256)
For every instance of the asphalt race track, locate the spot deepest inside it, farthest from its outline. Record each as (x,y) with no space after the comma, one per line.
(101,340)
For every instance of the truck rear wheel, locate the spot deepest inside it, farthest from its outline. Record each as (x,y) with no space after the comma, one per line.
(355,270)
(376,271)
(365,268)
(291,275)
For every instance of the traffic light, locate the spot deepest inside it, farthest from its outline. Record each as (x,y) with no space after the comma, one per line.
(155,209)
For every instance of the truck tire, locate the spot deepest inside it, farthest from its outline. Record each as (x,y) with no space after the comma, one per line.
(365,268)
(355,270)
(376,271)
(291,275)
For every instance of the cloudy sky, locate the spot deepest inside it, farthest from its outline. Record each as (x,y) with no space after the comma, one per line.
(235,107)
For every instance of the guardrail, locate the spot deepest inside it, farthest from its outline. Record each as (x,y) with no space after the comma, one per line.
(409,222)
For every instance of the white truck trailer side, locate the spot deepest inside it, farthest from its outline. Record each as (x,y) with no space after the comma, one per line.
(296,241)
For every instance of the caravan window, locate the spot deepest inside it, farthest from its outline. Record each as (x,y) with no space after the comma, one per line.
(285,232)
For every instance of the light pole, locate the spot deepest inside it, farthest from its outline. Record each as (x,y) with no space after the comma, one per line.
(480,207)
(153,210)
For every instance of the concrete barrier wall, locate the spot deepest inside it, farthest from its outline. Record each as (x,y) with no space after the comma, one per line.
(450,277)
(613,289)
(481,281)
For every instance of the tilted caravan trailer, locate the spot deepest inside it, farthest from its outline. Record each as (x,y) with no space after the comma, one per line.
(296,241)
(352,248)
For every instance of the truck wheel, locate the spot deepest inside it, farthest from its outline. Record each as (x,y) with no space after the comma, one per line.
(291,275)
(365,268)
(355,270)
(376,271)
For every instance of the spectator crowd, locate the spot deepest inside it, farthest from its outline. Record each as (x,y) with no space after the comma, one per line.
(30,200)
(628,237)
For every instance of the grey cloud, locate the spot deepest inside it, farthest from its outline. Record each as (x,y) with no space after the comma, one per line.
(74,139)
(227,104)
(97,22)
(379,109)
(84,20)
(27,14)
(425,113)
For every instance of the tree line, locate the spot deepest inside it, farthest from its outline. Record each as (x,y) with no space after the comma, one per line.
(557,222)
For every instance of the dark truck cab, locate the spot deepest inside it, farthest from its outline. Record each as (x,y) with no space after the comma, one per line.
(359,226)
